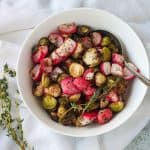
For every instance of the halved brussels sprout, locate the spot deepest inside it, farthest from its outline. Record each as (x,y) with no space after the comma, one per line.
(74,98)
(103,103)
(38,91)
(106,41)
(54,90)
(113,48)
(99,79)
(45,80)
(106,54)
(61,110)
(44,41)
(117,106)
(91,57)
(83,30)
(110,82)
(78,50)
(54,116)
(63,101)
(76,69)
(49,102)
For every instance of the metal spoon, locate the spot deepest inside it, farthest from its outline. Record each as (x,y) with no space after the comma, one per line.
(127,63)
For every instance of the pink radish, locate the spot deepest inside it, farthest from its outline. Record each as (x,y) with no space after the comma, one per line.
(117,70)
(88,117)
(118,59)
(112,96)
(104,116)
(127,75)
(96,38)
(105,68)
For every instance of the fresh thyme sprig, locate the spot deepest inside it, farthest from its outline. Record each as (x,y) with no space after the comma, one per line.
(8,122)
(98,95)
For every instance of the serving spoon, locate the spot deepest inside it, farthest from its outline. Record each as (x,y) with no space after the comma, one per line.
(127,63)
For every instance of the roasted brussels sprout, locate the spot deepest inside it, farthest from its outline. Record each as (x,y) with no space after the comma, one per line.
(61,110)
(117,106)
(83,30)
(103,103)
(53,90)
(44,41)
(54,116)
(113,48)
(106,41)
(38,90)
(106,54)
(45,80)
(99,79)
(110,82)
(62,76)
(91,57)
(78,50)
(49,102)
(76,69)
(74,98)
(63,101)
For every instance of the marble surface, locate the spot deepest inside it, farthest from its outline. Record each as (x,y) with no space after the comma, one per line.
(142,140)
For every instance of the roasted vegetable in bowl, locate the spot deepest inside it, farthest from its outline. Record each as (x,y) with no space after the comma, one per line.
(79,75)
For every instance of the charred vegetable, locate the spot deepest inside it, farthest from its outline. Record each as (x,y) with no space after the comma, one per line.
(44,41)
(78,51)
(45,80)
(91,57)
(83,30)
(53,90)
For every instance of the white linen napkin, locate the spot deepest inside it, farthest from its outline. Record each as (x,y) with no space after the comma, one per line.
(16,15)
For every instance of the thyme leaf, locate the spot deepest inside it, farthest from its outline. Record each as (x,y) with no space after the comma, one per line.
(8,122)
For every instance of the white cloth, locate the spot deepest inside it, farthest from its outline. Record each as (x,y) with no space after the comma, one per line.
(16,15)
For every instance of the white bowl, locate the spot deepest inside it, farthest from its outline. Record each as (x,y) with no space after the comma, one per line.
(98,19)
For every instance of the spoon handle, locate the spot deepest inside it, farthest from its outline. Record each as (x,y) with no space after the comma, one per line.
(145,80)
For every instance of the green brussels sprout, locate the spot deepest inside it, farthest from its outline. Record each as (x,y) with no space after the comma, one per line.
(106,41)
(44,41)
(103,103)
(110,82)
(91,57)
(99,79)
(61,110)
(117,106)
(76,69)
(63,101)
(74,98)
(83,30)
(54,116)
(49,102)
(113,48)
(78,50)
(53,90)
(38,91)
(106,54)
(45,80)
